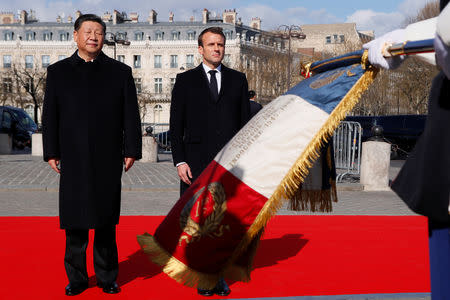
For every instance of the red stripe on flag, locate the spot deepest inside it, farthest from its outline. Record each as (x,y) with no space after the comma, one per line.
(203,228)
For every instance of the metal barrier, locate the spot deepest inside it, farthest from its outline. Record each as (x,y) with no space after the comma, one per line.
(161,133)
(347,149)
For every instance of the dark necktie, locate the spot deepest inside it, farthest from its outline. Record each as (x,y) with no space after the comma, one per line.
(213,85)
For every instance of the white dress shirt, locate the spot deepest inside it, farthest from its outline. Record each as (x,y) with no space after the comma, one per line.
(218,75)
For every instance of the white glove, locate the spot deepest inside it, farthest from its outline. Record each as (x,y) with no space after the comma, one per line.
(377,46)
(442,55)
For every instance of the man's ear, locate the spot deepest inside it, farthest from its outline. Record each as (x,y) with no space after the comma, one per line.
(200,50)
(75,36)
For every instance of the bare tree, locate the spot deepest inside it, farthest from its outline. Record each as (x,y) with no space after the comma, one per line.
(29,83)
(405,90)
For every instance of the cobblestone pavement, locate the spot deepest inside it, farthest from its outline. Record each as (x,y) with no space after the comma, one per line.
(28,187)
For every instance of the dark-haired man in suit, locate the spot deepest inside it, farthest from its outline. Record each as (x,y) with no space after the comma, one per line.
(91,125)
(209,106)
(255,107)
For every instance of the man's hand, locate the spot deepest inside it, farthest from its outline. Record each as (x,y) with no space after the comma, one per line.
(184,172)
(129,161)
(54,163)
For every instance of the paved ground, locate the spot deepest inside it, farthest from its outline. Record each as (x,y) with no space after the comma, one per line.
(28,187)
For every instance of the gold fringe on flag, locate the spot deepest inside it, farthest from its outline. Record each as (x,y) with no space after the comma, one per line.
(285,190)
(293,179)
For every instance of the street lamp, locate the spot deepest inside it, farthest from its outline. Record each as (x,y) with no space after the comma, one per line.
(286,32)
(112,39)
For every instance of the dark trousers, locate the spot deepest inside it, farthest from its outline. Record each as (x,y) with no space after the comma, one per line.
(106,264)
(439,241)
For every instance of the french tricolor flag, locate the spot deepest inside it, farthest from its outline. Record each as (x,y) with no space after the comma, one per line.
(214,228)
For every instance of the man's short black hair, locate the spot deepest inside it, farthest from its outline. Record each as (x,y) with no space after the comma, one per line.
(215,30)
(89,17)
(251,94)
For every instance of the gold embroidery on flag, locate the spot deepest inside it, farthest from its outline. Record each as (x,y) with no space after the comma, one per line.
(212,227)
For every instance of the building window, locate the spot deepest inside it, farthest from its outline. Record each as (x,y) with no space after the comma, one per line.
(29,109)
(335,36)
(159,35)
(157,113)
(29,61)
(342,38)
(138,36)
(138,83)
(7,85)
(191,35)
(328,39)
(45,61)
(30,36)
(157,61)
(137,61)
(190,60)
(175,35)
(64,36)
(121,58)
(172,83)
(61,57)
(228,34)
(227,59)
(47,36)
(158,85)
(121,36)
(9,36)
(174,61)
(7,60)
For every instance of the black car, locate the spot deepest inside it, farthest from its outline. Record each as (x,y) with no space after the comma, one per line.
(402,131)
(16,122)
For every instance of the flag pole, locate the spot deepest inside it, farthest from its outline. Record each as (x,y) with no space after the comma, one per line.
(409,48)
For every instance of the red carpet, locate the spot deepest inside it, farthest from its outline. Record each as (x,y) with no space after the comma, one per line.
(299,256)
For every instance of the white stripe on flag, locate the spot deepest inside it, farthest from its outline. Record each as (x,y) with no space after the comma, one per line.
(264,150)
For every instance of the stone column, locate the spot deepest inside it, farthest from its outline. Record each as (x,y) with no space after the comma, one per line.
(375,162)
(5,143)
(149,149)
(36,145)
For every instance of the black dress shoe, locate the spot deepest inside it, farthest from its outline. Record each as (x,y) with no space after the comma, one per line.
(75,289)
(206,293)
(109,288)
(222,288)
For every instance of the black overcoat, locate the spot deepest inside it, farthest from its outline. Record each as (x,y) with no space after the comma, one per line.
(90,122)
(424,181)
(200,126)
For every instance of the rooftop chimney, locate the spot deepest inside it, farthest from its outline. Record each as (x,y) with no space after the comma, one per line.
(205,16)
(134,17)
(229,16)
(23,17)
(152,17)
(255,23)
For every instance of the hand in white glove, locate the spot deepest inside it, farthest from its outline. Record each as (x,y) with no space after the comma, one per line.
(442,55)
(377,46)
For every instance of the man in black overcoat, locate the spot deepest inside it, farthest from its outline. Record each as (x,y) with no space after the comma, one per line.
(91,128)
(209,106)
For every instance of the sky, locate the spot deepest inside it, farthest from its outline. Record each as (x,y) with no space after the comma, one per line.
(379,15)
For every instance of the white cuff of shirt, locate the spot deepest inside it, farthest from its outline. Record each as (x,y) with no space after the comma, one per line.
(180,163)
